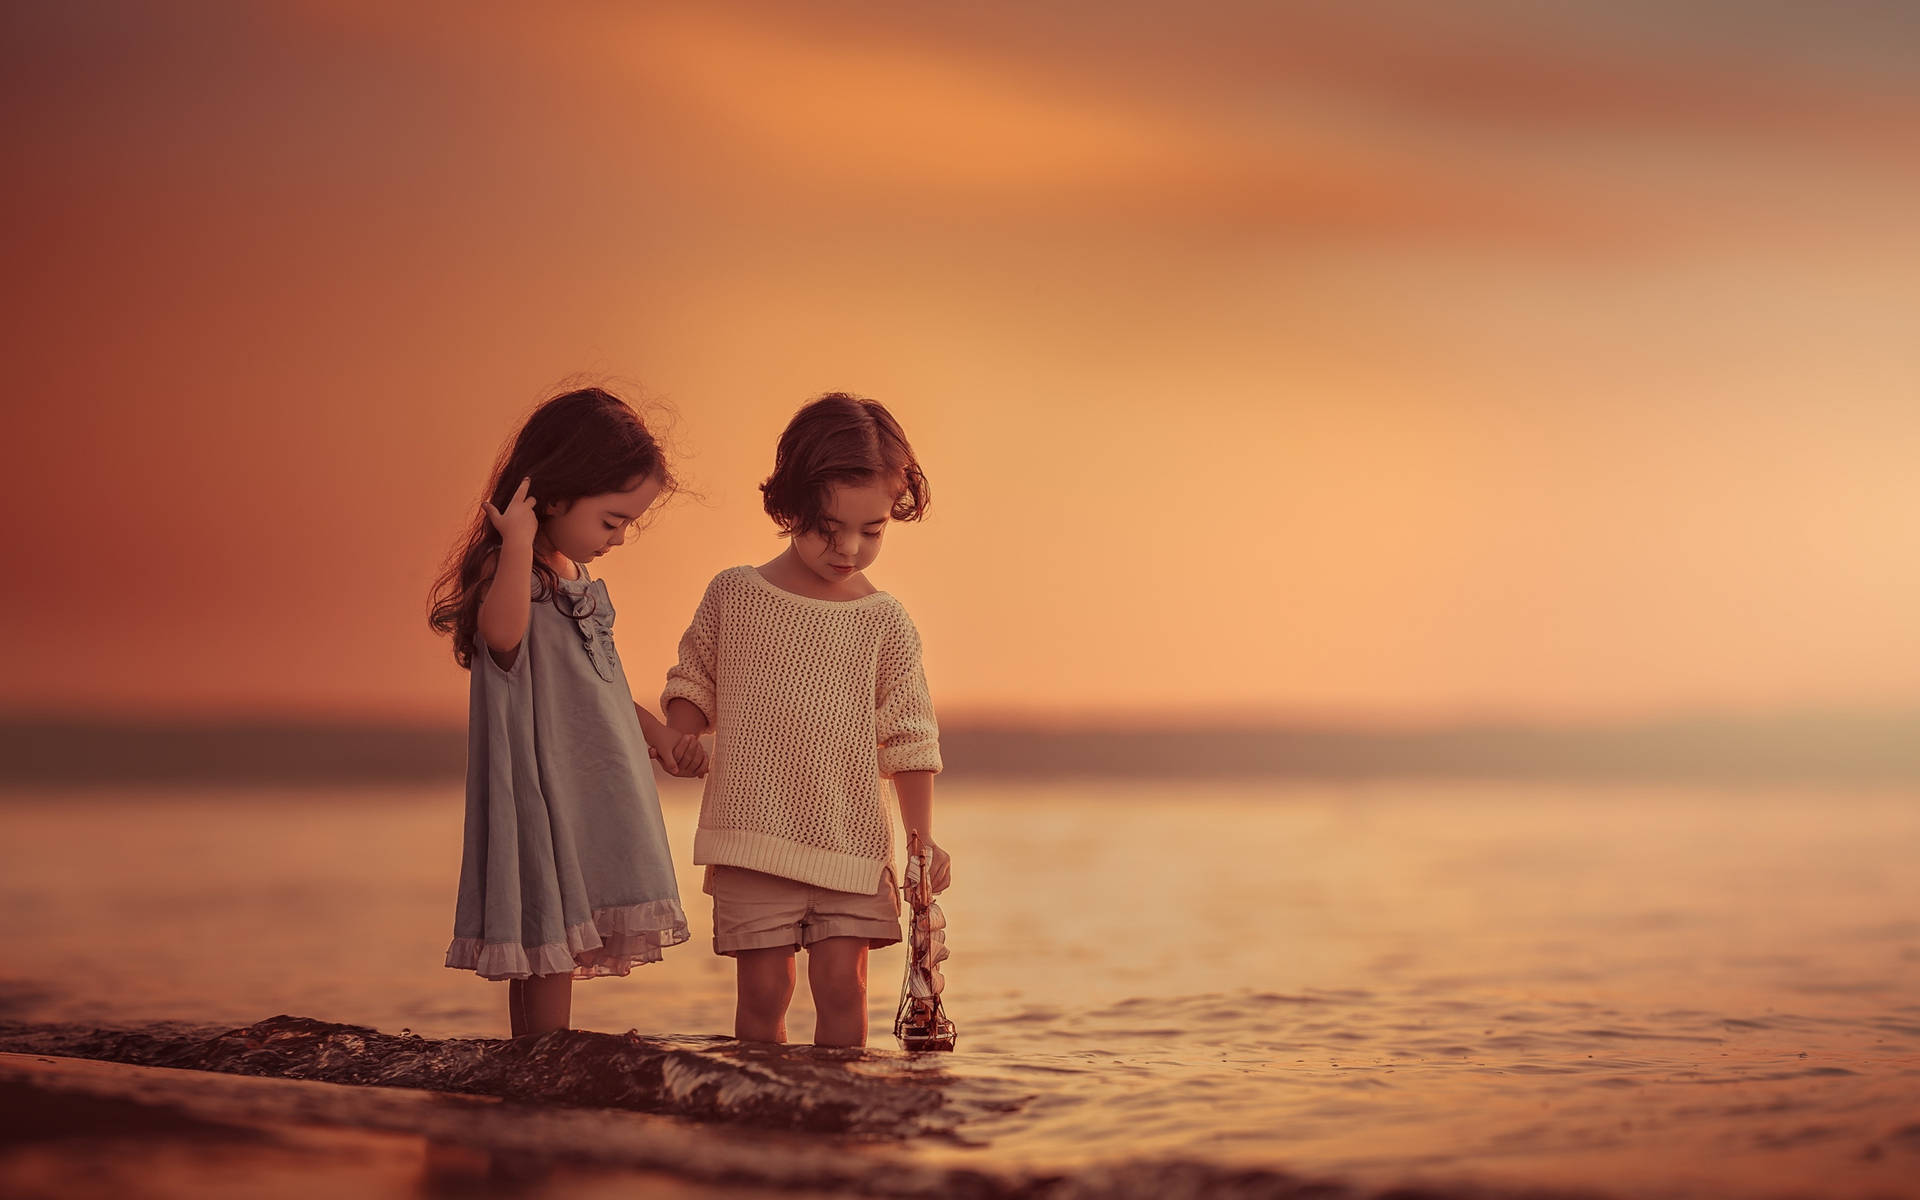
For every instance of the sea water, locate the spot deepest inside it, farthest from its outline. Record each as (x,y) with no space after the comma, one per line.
(1619,989)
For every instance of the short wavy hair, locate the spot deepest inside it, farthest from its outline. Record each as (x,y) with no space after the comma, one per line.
(841,438)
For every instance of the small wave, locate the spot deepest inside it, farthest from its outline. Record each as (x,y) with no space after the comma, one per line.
(875,1094)
(471,1147)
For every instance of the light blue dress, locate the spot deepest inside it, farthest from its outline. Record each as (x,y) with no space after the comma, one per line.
(567,866)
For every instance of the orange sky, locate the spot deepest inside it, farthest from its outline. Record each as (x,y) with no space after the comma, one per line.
(1265,359)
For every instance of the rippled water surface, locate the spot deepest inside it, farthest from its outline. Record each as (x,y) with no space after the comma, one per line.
(1631,991)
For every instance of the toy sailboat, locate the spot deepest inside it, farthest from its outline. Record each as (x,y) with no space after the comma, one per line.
(922,1024)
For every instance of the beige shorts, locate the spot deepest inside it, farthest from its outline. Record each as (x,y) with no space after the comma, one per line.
(756,911)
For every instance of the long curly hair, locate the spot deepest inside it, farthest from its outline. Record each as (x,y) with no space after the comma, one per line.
(584,442)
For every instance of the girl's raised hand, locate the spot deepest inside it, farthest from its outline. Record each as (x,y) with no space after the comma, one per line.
(519,523)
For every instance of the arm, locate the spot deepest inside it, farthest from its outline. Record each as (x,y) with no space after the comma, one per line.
(650,726)
(909,733)
(691,694)
(909,736)
(915,790)
(684,716)
(504,612)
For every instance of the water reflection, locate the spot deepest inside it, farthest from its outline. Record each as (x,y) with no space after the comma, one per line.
(1547,986)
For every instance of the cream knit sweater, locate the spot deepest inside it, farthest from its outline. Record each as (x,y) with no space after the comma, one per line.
(812,701)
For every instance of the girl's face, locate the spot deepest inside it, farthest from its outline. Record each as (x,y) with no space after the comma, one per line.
(856,516)
(586,528)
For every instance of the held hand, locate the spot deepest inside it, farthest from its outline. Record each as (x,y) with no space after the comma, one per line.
(662,747)
(692,755)
(519,522)
(680,753)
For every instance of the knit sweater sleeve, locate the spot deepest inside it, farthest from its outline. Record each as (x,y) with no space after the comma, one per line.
(693,678)
(909,734)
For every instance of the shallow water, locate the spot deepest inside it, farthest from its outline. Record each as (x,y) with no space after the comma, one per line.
(1623,990)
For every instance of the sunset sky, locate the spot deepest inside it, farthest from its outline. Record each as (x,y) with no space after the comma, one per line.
(1267,359)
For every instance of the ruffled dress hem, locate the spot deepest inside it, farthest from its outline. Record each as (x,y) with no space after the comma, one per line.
(614,942)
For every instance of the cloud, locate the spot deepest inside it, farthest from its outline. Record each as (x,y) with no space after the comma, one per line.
(1583,130)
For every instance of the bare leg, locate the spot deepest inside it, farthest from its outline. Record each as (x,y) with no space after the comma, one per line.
(517,1007)
(765,987)
(549,1002)
(837,973)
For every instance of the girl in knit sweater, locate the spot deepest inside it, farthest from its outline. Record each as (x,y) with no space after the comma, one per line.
(810,678)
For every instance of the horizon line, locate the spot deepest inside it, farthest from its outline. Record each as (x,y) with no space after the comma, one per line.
(1079,720)
(1882,746)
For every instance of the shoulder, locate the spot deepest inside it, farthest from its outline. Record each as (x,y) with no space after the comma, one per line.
(895,619)
(731,580)
(892,605)
(722,592)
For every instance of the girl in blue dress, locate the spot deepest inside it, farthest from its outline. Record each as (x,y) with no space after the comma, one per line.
(566,872)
